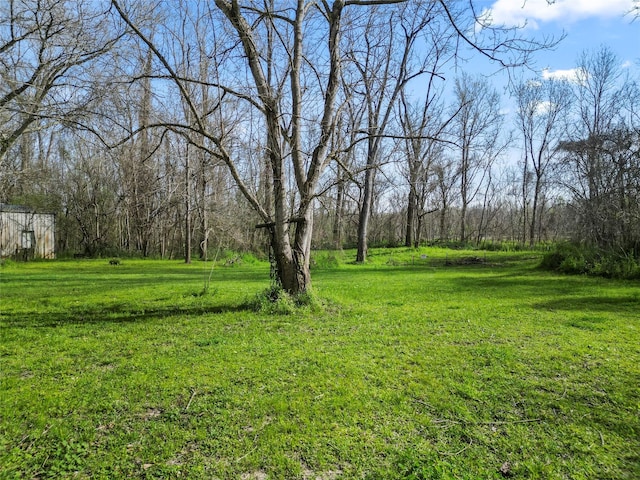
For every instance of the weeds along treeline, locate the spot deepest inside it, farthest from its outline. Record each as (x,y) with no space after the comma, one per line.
(173,129)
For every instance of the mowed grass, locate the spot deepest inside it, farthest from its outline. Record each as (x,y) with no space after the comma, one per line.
(458,365)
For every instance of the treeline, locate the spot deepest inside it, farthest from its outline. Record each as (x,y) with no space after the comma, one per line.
(184,128)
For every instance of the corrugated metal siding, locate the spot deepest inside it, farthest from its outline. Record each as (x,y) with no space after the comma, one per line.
(14,223)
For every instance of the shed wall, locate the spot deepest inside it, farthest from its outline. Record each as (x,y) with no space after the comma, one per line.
(15,236)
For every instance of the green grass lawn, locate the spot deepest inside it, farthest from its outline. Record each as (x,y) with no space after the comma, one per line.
(458,365)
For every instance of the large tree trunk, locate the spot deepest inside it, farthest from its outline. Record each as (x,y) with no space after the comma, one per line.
(365,213)
(187,208)
(412,214)
(292,261)
(534,211)
(302,253)
(203,239)
(443,220)
(418,235)
(339,215)
(464,191)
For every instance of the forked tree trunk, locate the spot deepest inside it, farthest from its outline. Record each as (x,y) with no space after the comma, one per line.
(302,254)
(292,261)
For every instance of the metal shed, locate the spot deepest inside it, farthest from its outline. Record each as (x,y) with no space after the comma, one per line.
(25,233)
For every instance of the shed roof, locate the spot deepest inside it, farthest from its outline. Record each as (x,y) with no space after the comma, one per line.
(5,207)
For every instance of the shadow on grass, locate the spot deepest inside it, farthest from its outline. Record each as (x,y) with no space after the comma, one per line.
(536,288)
(468,275)
(565,293)
(593,303)
(120,313)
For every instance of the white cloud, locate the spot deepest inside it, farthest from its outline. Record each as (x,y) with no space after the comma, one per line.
(534,12)
(627,64)
(570,75)
(542,108)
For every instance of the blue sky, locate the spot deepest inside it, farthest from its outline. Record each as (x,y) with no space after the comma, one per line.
(587,24)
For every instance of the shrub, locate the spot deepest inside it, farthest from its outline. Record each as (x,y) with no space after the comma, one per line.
(325,260)
(552,260)
(250,259)
(276,301)
(574,264)
(576,259)
(7,262)
(619,265)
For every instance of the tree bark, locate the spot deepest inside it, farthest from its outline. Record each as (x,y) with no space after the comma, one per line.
(187,208)
(339,215)
(365,211)
(411,216)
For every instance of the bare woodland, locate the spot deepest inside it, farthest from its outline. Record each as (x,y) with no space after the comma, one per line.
(183,127)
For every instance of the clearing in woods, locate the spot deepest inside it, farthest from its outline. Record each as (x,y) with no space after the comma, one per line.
(425,363)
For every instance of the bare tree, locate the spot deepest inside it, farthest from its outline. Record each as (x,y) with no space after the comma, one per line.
(422,126)
(266,95)
(385,65)
(47,48)
(276,66)
(446,176)
(348,149)
(457,22)
(601,150)
(89,202)
(540,107)
(476,130)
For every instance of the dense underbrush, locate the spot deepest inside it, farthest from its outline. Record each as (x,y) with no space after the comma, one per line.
(577,259)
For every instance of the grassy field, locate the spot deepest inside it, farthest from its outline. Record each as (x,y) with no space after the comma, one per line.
(459,365)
